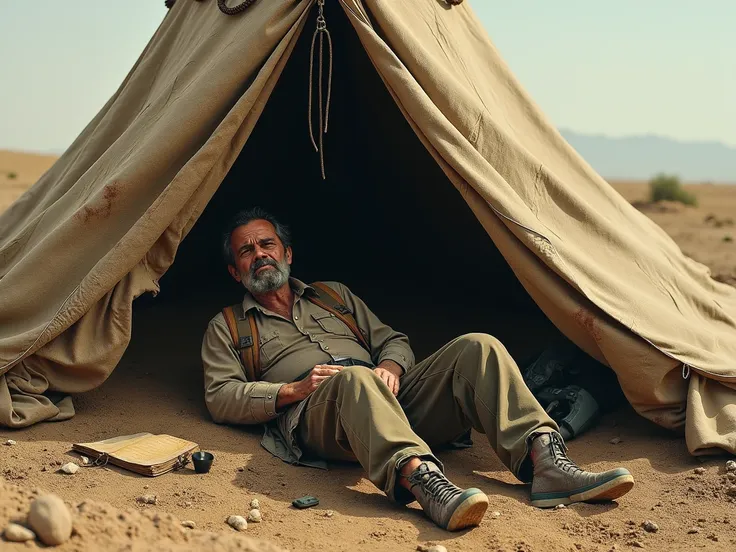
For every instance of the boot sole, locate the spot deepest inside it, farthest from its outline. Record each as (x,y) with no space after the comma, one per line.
(469,512)
(609,490)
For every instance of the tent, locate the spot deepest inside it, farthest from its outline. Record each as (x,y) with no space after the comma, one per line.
(447,193)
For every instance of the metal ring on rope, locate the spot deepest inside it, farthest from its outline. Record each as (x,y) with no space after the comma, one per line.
(222,4)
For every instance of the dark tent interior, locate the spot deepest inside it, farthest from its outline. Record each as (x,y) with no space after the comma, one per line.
(387,222)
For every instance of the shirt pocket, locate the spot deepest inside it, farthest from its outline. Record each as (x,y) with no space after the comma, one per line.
(331,324)
(270,346)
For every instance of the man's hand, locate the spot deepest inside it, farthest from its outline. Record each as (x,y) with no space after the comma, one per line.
(389,372)
(300,390)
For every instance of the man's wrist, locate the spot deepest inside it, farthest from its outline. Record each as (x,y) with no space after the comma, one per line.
(392,366)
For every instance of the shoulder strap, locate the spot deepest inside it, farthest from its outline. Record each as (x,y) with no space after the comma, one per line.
(244,333)
(328,299)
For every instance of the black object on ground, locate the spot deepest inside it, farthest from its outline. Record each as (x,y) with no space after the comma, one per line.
(202,461)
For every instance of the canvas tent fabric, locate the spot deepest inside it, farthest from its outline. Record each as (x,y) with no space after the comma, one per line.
(109,216)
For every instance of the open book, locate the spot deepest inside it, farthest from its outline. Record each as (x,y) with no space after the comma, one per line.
(142,453)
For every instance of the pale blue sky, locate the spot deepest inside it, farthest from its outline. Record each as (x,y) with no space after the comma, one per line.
(665,67)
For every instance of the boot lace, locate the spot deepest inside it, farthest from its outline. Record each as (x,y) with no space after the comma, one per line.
(435,484)
(559,454)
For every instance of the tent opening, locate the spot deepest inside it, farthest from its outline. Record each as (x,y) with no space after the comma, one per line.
(387,222)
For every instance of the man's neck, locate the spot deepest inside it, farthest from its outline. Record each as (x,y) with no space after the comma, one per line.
(279,301)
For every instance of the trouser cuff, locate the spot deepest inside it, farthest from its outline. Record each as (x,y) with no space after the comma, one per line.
(394,489)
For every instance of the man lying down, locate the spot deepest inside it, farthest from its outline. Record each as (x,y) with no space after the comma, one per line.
(330,381)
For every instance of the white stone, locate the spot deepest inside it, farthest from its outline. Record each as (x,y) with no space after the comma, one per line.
(147,499)
(255,504)
(188,524)
(496,514)
(237,522)
(731,466)
(254,516)
(10,443)
(85,460)
(50,519)
(17,533)
(431,548)
(71,468)
(560,507)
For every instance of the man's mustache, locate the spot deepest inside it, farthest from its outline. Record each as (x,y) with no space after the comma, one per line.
(260,263)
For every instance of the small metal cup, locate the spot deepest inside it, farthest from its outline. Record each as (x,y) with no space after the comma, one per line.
(202,461)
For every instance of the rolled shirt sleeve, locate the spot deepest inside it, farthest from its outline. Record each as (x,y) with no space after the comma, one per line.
(385,342)
(229,396)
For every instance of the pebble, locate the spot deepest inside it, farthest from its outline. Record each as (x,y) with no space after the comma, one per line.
(615,440)
(255,504)
(237,522)
(85,460)
(147,499)
(699,471)
(431,548)
(145,486)
(189,524)
(731,466)
(70,468)
(254,515)
(637,544)
(50,519)
(693,531)
(560,507)
(10,443)
(329,513)
(17,533)
(496,514)
(650,526)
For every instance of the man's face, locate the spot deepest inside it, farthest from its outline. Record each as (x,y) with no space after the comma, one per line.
(262,264)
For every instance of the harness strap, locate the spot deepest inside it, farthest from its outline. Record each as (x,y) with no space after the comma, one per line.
(244,333)
(331,301)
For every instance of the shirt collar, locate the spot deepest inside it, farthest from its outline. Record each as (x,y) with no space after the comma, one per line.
(297,286)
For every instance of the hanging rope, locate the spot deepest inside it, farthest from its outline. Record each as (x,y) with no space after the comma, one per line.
(322,33)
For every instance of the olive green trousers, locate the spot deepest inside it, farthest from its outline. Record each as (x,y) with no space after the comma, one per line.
(472,382)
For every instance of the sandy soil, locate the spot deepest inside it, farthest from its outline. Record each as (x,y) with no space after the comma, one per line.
(693,510)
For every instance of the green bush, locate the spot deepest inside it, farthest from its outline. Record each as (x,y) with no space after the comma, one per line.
(668,187)
(12,175)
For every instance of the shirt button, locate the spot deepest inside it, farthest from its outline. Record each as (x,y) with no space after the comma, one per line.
(270,396)
(296,318)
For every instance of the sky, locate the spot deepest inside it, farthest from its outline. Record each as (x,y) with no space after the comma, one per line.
(630,67)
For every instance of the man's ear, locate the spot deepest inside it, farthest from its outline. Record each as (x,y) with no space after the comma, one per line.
(234,273)
(289,255)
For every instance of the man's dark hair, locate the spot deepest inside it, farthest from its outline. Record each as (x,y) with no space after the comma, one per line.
(249,215)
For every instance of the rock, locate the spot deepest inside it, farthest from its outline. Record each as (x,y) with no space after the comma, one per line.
(10,443)
(255,504)
(496,514)
(615,440)
(50,519)
(70,468)
(329,513)
(147,499)
(189,524)
(85,461)
(254,515)
(731,490)
(731,466)
(145,487)
(650,526)
(431,548)
(699,471)
(637,544)
(560,507)
(693,531)
(17,533)
(237,522)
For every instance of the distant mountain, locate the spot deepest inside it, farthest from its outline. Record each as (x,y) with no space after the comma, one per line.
(641,157)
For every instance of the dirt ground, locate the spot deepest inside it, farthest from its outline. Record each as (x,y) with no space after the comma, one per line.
(162,394)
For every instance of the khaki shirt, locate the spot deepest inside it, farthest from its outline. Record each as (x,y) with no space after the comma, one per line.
(288,349)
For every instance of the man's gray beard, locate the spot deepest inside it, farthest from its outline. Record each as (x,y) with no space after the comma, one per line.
(268,280)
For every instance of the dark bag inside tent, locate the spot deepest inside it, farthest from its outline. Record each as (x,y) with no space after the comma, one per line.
(386,222)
